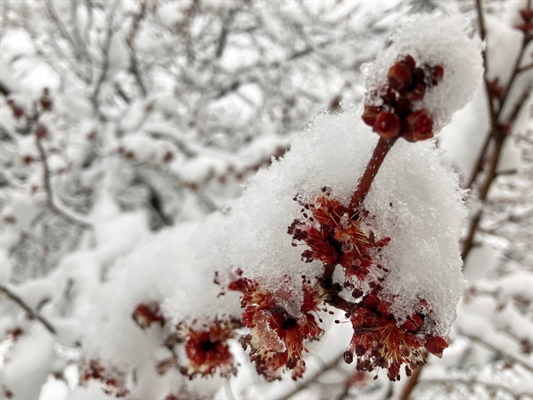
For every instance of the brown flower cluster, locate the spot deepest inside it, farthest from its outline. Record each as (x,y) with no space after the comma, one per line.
(278,327)
(334,236)
(379,341)
(397,116)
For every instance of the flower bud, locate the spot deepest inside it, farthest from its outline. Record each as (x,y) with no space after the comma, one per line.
(420,124)
(370,114)
(387,125)
(399,76)
(417,93)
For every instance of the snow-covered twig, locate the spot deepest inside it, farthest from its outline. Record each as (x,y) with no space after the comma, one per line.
(507,356)
(51,200)
(473,382)
(32,313)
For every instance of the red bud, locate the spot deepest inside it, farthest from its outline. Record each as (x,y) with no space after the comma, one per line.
(387,125)
(399,76)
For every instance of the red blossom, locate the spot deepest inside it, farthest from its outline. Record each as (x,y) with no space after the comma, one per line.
(279,325)
(379,341)
(207,350)
(335,237)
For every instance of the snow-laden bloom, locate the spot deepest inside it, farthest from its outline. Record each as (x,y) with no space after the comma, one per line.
(379,341)
(337,236)
(279,323)
(208,351)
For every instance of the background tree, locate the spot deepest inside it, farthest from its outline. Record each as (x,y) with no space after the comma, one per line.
(124,124)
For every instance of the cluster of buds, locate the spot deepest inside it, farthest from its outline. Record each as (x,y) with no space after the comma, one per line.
(397,114)
(278,327)
(208,351)
(379,341)
(335,236)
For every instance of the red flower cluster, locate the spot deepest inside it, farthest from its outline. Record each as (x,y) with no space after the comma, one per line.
(396,116)
(278,325)
(336,237)
(379,342)
(114,381)
(208,351)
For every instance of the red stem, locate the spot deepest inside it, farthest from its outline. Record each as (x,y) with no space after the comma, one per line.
(372,168)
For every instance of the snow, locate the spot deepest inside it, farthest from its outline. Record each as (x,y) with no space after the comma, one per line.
(29,363)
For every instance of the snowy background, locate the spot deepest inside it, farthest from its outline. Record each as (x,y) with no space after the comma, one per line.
(129,130)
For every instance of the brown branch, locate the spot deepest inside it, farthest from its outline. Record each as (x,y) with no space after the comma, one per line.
(524,68)
(497,136)
(509,357)
(380,152)
(470,383)
(313,378)
(33,314)
(50,199)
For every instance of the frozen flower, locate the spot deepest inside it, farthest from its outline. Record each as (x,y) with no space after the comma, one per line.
(379,341)
(278,324)
(336,236)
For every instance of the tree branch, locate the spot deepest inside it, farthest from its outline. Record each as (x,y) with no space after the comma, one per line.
(33,314)
(50,198)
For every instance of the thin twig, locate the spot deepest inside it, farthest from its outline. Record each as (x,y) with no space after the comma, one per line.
(470,383)
(497,136)
(33,314)
(313,378)
(50,198)
(509,357)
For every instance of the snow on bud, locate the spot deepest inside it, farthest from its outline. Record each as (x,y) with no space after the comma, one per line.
(440,49)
